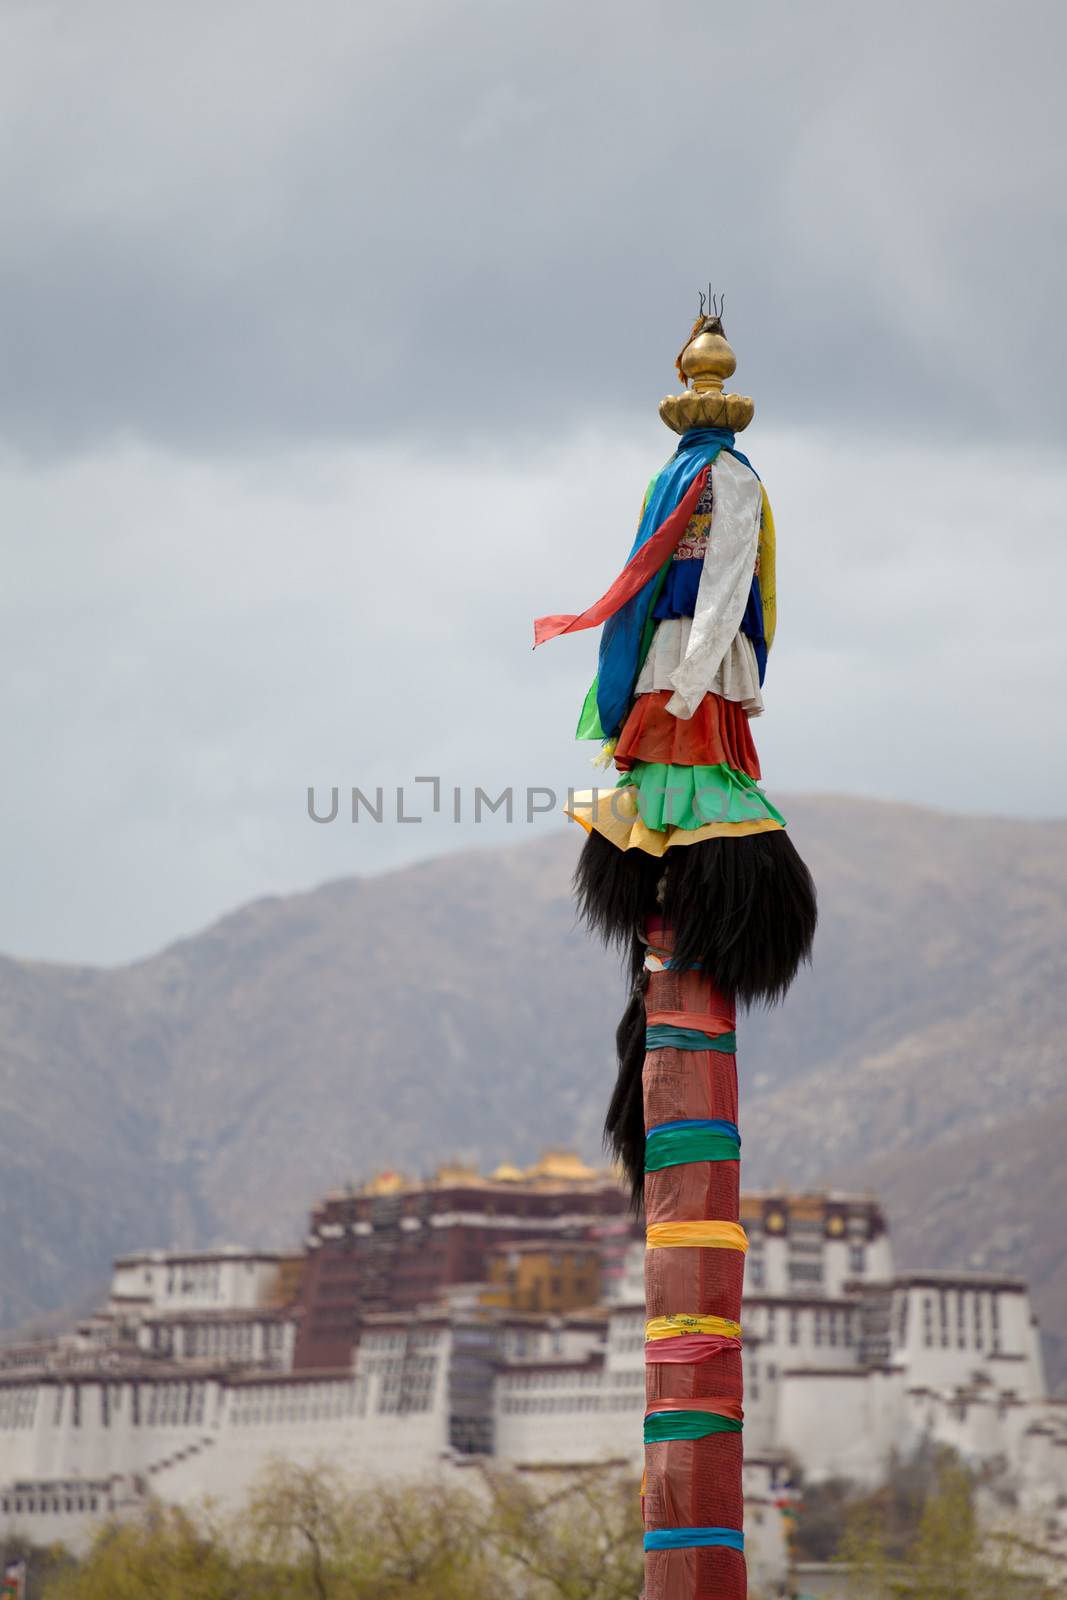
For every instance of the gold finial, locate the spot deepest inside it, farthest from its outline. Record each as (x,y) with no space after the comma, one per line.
(706,361)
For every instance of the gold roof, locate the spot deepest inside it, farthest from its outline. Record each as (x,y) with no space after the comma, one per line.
(563,1165)
(458,1172)
(386,1183)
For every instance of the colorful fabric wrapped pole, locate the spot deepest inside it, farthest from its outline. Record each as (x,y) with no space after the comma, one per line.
(689,867)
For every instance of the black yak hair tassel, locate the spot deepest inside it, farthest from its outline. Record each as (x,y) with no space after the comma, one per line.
(742,909)
(624,1125)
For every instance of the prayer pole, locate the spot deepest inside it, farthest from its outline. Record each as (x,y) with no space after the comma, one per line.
(689,868)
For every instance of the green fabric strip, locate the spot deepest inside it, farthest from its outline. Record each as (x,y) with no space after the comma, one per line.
(680,1145)
(691,797)
(589,724)
(663,1425)
(662,1036)
(589,720)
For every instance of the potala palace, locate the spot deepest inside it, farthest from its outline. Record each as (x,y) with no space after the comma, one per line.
(463,1320)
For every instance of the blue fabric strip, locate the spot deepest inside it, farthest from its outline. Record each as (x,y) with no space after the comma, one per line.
(698,1124)
(678,597)
(752,625)
(690,1538)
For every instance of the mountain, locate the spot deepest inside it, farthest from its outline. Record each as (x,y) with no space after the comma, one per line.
(452,1008)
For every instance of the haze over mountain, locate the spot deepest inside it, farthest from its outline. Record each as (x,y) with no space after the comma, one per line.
(453,1008)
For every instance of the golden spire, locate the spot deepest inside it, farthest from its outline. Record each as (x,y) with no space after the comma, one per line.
(705,362)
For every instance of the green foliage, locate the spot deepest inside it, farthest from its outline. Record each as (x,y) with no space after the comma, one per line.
(579,1542)
(863,1550)
(947,1556)
(166,1555)
(895,1507)
(308,1534)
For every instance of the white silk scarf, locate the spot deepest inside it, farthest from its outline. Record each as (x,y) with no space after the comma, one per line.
(725,581)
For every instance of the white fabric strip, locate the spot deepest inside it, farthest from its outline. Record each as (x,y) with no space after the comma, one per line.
(735,678)
(725,581)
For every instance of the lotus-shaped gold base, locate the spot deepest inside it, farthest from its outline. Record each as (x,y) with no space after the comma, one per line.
(710,409)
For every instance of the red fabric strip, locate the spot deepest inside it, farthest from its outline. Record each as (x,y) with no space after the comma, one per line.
(718,1404)
(703,1021)
(672,990)
(681,1574)
(688,1348)
(692,1190)
(642,565)
(718,732)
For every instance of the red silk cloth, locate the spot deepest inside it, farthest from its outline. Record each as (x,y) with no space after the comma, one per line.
(719,1405)
(642,565)
(709,1022)
(716,733)
(692,1483)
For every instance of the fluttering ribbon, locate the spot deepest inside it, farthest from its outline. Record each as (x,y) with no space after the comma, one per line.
(662,1036)
(672,1144)
(696,1235)
(651,549)
(692,1538)
(663,1426)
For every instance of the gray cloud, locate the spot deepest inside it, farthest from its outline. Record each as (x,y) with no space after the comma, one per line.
(184,647)
(332,343)
(249,223)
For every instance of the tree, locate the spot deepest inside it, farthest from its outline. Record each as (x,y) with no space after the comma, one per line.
(338,1542)
(164,1555)
(863,1551)
(579,1540)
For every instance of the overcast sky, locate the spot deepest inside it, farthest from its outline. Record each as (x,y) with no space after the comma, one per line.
(333,341)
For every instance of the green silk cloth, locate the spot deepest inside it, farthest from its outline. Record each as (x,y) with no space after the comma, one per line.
(691,797)
(687,1425)
(679,1145)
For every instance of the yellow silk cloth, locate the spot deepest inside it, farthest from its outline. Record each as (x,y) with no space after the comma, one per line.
(613,812)
(767,584)
(698,1235)
(683,1322)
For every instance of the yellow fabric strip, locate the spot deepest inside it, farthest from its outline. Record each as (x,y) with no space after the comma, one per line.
(767,584)
(699,1235)
(612,812)
(687,1322)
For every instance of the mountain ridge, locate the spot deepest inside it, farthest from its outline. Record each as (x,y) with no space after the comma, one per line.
(452,1007)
